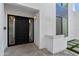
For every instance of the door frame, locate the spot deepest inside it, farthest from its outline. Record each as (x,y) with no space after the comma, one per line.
(8,28)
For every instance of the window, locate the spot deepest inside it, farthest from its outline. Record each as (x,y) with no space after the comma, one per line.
(62,19)
(61,26)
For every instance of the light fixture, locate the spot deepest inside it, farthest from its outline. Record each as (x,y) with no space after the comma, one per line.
(35,17)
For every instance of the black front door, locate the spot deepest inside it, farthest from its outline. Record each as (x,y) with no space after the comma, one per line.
(21,30)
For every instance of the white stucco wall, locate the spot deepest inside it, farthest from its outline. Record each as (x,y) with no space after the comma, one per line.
(47,22)
(1,29)
(76,24)
(36,30)
(71,22)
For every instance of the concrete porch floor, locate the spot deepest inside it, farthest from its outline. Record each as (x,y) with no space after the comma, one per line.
(26,50)
(66,52)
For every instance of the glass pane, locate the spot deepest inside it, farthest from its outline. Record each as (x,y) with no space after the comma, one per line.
(65,26)
(11,30)
(58,25)
(31,30)
(62,19)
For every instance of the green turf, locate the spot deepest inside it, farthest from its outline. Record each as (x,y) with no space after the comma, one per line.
(73,45)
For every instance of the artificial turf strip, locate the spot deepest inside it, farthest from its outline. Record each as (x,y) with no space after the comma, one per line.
(76,45)
(73,50)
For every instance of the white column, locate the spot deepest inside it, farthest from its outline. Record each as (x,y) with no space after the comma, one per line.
(1,29)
